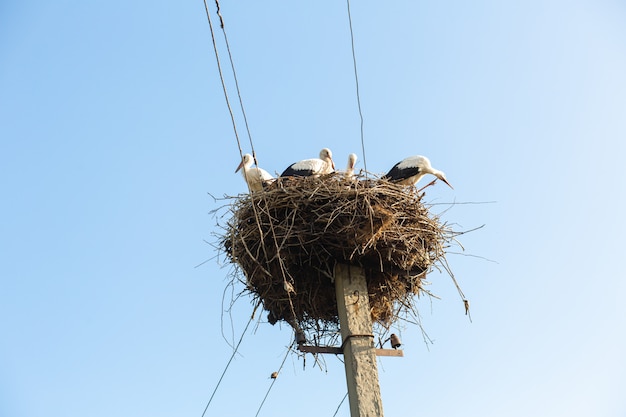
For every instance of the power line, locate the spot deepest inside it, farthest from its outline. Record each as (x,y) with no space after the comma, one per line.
(273,381)
(356,79)
(219,68)
(227,365)
(232,65)
(339,406)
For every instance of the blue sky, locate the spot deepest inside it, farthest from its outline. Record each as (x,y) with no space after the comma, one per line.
(114,130)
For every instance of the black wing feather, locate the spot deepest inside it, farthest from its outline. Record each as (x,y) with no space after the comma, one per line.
(290,172)
(397,174)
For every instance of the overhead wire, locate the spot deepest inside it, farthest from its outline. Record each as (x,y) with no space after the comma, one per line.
(232,65)
(219,69)
(274,380)
(356,79)
(232,116)
(339,406)
(230,110)
(221,74)
(227,365)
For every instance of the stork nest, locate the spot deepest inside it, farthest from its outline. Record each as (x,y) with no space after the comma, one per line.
(288,239)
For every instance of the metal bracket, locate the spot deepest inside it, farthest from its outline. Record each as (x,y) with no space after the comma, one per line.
(338,351)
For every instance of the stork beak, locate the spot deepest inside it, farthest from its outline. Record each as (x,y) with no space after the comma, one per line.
(332,163)
(239,166)
(446,181)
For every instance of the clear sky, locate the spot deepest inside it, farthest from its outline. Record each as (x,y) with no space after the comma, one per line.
(114,130)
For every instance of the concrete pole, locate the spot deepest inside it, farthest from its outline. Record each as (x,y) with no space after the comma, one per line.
(358,342)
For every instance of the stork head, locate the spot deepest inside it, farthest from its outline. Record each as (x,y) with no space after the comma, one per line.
(246,161)
(352,161)
(349,174)
(327,155)
(427,167)
(442,177)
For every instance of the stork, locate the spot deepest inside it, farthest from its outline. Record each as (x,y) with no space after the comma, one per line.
(255,177)
(410,170)
(312,167)
(349,174)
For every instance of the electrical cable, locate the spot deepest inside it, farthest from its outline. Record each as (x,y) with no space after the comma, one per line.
(273,381)
(227,365)
(339,406)
(356,78)
(221,74)
(219,68)
(232,65)
(230,110)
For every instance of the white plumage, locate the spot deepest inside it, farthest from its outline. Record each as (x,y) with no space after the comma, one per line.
(255,177)
(312,167)
(410,170)
(349,174)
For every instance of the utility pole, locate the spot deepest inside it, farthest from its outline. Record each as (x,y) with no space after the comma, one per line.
(358,341)
(357,346)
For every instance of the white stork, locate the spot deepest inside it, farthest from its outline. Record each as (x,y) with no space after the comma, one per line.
(410,170)
(312,167)
(349,174)
(255,177)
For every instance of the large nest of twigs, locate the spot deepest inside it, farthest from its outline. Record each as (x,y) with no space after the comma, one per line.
(288,238)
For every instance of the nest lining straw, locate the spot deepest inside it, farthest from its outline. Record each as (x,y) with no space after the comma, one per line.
(288,238)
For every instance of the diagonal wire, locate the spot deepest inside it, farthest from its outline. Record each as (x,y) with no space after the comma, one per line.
(339,406)
(227,365)
(232,65)
(230,110)
(273,381)
(219,68)
(356,79)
